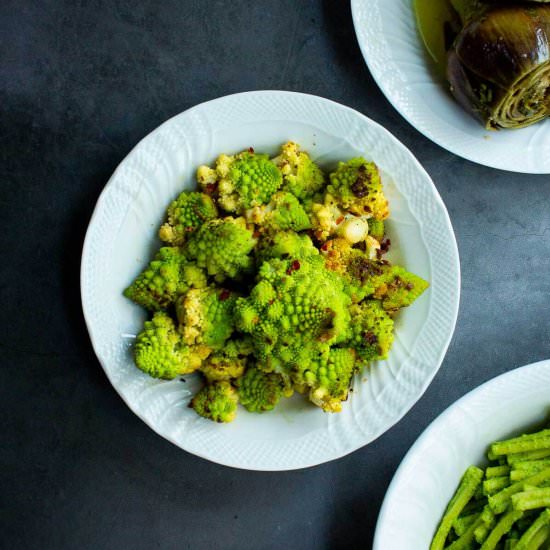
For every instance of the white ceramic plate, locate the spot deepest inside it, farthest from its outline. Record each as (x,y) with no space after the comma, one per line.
(391,45)
(122,237)
(430,472)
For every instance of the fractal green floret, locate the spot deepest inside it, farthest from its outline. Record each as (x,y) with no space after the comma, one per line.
(274,283)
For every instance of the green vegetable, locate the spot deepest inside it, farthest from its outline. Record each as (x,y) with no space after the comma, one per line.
(216,401)
(468,485)
(522,444)
(529,500)
(168,276)
(499,66)
(188,212)
(501,528)
(298,311)
(222,247)
(260,391)
(160,352)
(301,176)
(529,539)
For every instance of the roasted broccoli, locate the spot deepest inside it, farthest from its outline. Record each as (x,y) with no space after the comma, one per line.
(241,181)
(168,276)
(216,401)
(302,177)
(307,298)
(285,244)
(293,299)
(260,391)
(283,212)
(372,331)
(222,247)
(184,215)
(356,187)
(160,352)
(206,316)
(229,362)
(324,372)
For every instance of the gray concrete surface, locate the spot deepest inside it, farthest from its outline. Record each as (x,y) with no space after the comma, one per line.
(81,81)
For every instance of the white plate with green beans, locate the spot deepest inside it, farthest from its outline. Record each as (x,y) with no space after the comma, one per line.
(479,475)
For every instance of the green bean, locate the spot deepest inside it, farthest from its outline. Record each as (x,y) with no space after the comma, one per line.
(529,500)
(466,540)
(499,502)
(495,484)
(526,540)
(470,481)
(522,444)
(461,524)
(530,455)
(496,471)
(501,528)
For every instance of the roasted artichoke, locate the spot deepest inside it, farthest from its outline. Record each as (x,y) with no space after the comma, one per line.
(499,65)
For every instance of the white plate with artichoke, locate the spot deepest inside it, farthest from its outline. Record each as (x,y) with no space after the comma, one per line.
(268,322)
(496,56)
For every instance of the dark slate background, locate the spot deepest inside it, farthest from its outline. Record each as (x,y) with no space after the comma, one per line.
(81,82)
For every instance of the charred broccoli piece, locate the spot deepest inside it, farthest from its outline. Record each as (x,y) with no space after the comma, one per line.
(229,362)
(283,212)
(222,247)
(372,331)
(285,244)
(325,372)
(184,215)
(206,316)
(377,229)
(168,276)
(357,188)
(302,177)
(160,352)
(217,402)
(260,391)
(241,181)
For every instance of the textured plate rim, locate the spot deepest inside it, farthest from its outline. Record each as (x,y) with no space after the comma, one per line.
(424,128)
(455,268)
(500,382)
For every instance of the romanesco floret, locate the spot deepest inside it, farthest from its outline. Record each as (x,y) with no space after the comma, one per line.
(222,247)
(241,181)
(326,372)
(216,401)
(376,229)
(397,287)
(206,316)
(184,215)
(302,177)
(229,362)
(260,391)
(357,188)
(168,276)
(293,299)
(285,244)
(160,352)
(283,212)
(372,331)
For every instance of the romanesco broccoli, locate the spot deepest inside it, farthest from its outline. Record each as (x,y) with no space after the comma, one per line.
(357,188)
(168,276)
(260,391)
(184,215)
(216,401)
(372,331)
(206,316)
(241,181)
(222,247)
(285,244)
(302,177)
(293,299)
(229,362)
(160,352)
(283,212)
(326,372)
